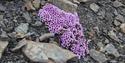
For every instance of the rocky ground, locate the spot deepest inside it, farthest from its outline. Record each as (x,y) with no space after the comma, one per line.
(103,22)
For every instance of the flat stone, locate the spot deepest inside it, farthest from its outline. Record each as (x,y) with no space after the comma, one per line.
(122,27)
(120,18)
(117,4)
(29,6)
(65,5)
(98,56)
(41,52)
(22,28)
(113,35)
(27,16)
(2,8)
(116,23)
(94,7)
(1,17)
(110,48)
(36,3)
(3,45)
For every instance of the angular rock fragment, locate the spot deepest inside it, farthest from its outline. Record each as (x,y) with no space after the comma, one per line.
(110,48)
(65,5)
(94,7)
(122,26)
(3,45)
(98,56)
(113,36)
(43,52)
(117,4)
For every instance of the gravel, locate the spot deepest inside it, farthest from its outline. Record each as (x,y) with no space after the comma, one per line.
(101,20)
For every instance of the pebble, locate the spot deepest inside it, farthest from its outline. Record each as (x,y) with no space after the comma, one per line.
(1,17)
(65,5)
(110,48)
(27,16)
(3,35)
(29,6)
(36,3)
(94,7)
(120,18)
(98,56)
(117,4)
(113,35)
(116,23)
(41,52)
(3,45)
(22,28)
(122,27)
(2,8)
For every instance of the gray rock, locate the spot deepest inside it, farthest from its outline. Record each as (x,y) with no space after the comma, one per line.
(100,45)
(36,3)
(122,27)
(27,16)
(120,18)
(83,0)
(3,35)
(41,52)
(2,8)
(3,45)
(110,48)
(22,28)
(116,23)
(94,7)
(117,4)
(65,5)
(98,56)
(1,17)
(113,35)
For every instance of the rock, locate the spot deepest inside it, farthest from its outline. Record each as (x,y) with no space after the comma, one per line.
(116,23)
(110,48)
(3,45)
(1,17)
(22,28)
(100,45)
(2,8)
(122,27)
(27,17)
(98,56)
(113,35)
(117,4)
(42,52)
(83,0)
(29,6)
(120,18)
(3,35)
(65,5)
(36,3)
(94,7)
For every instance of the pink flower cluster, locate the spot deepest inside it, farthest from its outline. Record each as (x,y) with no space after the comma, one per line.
(68,26)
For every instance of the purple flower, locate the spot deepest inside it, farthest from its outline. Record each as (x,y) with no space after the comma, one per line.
(66,24)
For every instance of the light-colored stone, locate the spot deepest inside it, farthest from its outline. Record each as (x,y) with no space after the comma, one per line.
(94,7)
(122,27)
(98,56)
(41,52)
(116,23)
(110,48)
(117,4)
(36,3)
(120,18)
(29,6)
(113,35)
(3,45)
(65,5)
(22,28)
